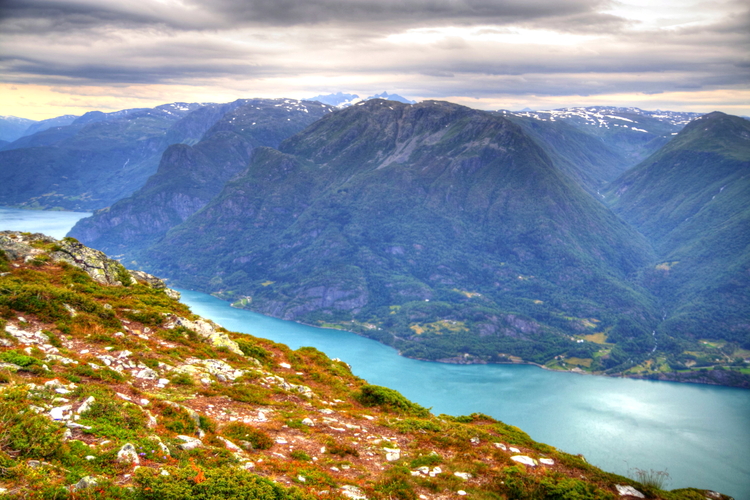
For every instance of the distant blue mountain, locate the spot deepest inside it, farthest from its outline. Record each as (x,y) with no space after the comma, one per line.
(341,100)
(338,99)
(59,121)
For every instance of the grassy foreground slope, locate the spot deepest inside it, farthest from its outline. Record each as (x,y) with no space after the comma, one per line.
(111,388)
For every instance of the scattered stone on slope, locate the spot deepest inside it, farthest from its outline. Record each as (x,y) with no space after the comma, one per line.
(522,459)
(208,330)
(84,483)
(128,454)
(627,490)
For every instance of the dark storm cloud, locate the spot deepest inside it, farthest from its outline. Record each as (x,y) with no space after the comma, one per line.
(211,14)
(398,12)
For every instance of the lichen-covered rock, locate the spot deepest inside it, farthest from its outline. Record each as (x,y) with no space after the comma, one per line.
(190,443)
(84,483)
(25,246)
(154,282)
(128,454)
(96,264)
(523,459)
(627,490)
(209,331)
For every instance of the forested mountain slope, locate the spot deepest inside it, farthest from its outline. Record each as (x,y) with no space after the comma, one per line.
(692,200)
(443,230)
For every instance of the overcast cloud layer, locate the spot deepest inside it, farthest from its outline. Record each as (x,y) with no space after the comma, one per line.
(60,56)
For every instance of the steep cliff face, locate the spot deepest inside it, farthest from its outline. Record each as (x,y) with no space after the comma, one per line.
(114,391)
(189,176)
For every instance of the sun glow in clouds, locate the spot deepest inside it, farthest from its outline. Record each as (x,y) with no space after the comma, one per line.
(488,34)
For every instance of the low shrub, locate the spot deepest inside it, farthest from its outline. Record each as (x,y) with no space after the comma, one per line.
(256,438)
(390,400)
(222,482)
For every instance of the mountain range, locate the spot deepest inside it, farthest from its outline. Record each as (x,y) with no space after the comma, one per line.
(413,220)
(610,240)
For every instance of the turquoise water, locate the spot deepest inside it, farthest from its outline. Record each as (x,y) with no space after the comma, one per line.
(699,434)
(55,224)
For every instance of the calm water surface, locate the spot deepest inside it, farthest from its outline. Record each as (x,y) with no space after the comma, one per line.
(699,434)
(55,224)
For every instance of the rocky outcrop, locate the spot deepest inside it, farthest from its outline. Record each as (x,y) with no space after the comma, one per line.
(28,247)
(209,331)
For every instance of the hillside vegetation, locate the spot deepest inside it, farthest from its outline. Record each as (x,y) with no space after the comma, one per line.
(692,200)
(111,388)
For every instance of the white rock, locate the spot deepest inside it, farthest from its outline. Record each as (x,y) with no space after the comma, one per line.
(161,445)
(515,450)
(463,475)
(281,440)
(86,405)
(73,425)
(475,440)
(147,374)
(547,461)
(163,381)
(352,492)
(230,445)
(285,365)
(53,384)
(461,493)
(392,454)
(85,482)
(523,459)
(90,457)
(190,443)
(308,422)
(163,473)
(501,446)
(60,412)
(625,490)
(128,454)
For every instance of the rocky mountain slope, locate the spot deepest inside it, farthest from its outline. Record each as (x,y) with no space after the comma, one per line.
(13,127)
(443,230)
(190,176)
(692,200)
(634,133)
(110,388)
(89,164)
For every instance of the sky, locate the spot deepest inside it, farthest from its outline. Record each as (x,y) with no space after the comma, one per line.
(71,56)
